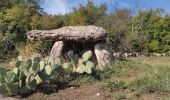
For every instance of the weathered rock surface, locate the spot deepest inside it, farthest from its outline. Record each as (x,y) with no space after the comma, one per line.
(56,50)
(103,54)
(76,33)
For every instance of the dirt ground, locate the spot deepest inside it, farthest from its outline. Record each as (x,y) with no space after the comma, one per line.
(92,92)
(89,92)
(85,92)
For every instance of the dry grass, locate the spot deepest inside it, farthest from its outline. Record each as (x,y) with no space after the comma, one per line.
(146,78)
(7,65)
(165,61)
(25,51)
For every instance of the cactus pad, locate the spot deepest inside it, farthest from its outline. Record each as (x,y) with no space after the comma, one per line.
(48,69)
(87,55)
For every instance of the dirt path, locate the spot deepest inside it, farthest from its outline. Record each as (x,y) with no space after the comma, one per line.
(87,92)
(6,98)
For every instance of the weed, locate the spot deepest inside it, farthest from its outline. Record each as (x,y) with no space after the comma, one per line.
(120,85)
(119,96)
(118,68)
(81,79)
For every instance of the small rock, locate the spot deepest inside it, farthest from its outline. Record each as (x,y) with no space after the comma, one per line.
(98,94)
(72,87)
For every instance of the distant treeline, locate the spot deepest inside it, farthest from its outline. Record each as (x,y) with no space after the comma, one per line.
(147,31)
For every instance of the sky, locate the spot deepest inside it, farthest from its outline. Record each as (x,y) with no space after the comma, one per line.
(55,7)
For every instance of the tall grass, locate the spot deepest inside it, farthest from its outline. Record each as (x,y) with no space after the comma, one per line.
(25,51)
(156,78)
(118,68)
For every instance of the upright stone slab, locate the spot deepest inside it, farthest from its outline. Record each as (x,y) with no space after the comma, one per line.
(103,54)
(56,50)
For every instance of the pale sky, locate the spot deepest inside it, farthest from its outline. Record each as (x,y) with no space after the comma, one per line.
(64,6)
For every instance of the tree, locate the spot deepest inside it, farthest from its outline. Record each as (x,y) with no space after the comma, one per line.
(87,15)
(46,21)
(116,25)
(15,18)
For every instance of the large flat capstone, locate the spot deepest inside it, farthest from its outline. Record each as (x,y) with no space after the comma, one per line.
(75,33)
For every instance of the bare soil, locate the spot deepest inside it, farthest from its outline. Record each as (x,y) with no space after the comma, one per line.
(92,92)
(85,92)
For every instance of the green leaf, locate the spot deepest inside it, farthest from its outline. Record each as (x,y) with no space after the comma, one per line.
(15,78)
(27,80)
(15,71)
(3,72)
(70,54)
(42,65)
(19,58)
(36,58)
(28,63)
(90,64)
(38,79)
(88,70)
(18,64)
(32,84)
(75,59)
(35,67)
(87,55)
(9,76)
(58,69)
(2,79)
(81,68)
(48,69)
(67,65)
(27,73)
(57,61)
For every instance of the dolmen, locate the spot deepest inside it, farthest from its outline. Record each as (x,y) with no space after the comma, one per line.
(93,35)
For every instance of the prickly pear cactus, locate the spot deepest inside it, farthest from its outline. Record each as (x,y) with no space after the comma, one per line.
(80,65)
(86,56)
(25,76)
